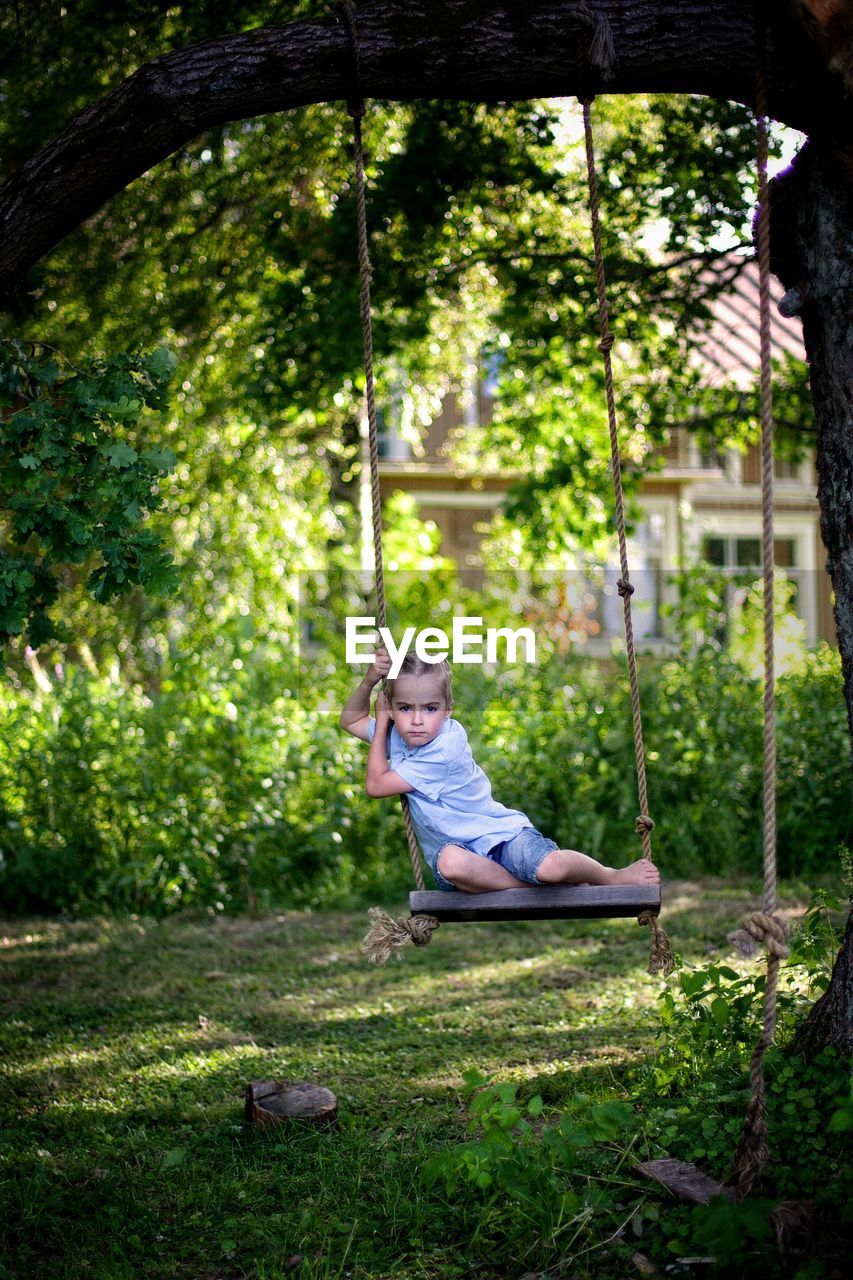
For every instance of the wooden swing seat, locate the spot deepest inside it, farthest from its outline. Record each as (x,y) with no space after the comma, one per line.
(550,902)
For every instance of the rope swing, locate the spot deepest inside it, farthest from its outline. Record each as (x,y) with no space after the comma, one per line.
(660,958)
(595,55)
(387,933)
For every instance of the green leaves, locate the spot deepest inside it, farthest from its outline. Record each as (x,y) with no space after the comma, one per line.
(507,1156)
(174,1157)
(841,1120)
(161,460)
(162,364)
(121,454)
(73,486)
(729,1231)
(27,590)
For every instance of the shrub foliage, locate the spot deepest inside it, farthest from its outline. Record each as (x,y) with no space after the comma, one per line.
(226,791)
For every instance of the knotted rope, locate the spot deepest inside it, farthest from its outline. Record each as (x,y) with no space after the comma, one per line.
(596,48)
(660,958)
(388,934)
(380,940)
(763,927)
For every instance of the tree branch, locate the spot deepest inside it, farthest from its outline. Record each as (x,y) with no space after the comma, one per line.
(409,49)
(624,271)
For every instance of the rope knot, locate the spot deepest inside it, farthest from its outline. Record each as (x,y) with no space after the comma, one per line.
(758,929)
(355,107)
(625,588)
(644,823)
(387,934)
(791,303)
(606,343)
(596,48)
(661,959)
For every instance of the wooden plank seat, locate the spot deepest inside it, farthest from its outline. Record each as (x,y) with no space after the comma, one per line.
(550,902)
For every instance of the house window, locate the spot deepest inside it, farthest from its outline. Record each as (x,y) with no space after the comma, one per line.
(646,557)
(710,459)
(389,444)
(740,555)
(672,450)
(650,537)
(744,552)
(491,373)
(751,467)
(784,470)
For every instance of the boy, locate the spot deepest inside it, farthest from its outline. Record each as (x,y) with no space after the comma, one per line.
(469,840)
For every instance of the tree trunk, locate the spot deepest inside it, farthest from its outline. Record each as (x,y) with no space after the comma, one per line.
(812,230)
(830,1020)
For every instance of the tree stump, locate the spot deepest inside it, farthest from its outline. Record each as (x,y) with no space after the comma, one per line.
(271,1103)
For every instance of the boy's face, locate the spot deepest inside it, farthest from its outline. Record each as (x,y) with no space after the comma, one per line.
(418,708)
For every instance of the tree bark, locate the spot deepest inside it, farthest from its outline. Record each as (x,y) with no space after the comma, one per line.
(475,50)
(812,246)
(812,233)
(830,1020)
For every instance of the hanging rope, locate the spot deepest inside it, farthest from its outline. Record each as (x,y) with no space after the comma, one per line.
(661,958)
(763,927)
(386,933)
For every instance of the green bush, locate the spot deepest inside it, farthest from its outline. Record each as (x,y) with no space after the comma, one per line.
(210,795)
(512,1156)
(559,743)
(231,788)
(693,1094)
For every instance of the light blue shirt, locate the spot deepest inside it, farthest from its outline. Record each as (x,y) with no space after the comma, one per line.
(452,799)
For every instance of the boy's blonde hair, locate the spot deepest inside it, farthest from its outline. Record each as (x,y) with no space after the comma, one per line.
(412,665)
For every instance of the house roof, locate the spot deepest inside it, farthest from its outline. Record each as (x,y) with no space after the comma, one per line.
(727,350)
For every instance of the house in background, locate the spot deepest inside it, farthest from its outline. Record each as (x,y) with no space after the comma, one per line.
(702,505)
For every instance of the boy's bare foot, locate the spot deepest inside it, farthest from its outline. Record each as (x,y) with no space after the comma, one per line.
(642,871)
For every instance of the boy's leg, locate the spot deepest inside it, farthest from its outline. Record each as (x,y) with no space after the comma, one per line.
(567,866)
(473,873)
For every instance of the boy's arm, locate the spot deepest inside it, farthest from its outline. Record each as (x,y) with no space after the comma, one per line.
(380,780)
(355,716)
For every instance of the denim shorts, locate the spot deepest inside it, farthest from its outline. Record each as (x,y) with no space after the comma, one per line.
(521,855)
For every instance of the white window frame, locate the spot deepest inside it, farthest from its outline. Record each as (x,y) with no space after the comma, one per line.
(611,609)
(796,526)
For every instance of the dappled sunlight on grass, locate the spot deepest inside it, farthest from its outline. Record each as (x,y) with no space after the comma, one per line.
(200,1065)
(562,1062)
(129,1045)
(26,940)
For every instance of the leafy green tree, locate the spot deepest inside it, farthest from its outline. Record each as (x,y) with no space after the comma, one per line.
(240,249)
(76,491)
(242,252)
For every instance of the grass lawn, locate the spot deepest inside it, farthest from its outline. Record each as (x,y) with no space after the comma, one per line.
(128,1043)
